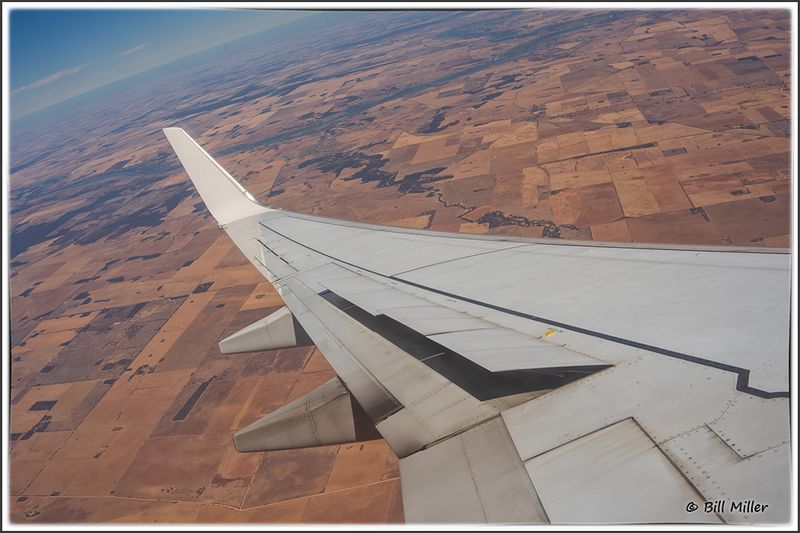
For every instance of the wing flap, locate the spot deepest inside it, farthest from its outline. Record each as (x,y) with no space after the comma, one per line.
(475,476)
(438,405)
(501,349)
(433,319)
(495,348)
(369,392)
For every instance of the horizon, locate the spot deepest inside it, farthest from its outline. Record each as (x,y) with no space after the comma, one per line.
(77,66)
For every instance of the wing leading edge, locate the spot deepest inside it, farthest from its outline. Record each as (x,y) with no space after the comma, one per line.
(531,380)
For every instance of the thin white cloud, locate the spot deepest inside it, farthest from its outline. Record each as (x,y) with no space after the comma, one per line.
(167,55)
(50,78)
(132,50)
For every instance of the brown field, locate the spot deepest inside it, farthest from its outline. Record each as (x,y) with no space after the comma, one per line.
(665,127)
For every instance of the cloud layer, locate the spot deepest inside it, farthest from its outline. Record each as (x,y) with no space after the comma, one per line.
(50,78)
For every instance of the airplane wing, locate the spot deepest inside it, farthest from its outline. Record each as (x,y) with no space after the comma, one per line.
(528,381)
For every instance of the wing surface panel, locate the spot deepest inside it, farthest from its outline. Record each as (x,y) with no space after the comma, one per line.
(724,307)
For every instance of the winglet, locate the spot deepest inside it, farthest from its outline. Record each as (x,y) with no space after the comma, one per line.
(227,200)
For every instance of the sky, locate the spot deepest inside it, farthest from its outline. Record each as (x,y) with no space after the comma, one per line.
(55,55)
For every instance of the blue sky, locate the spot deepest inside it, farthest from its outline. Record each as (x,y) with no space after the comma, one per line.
(56,55)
